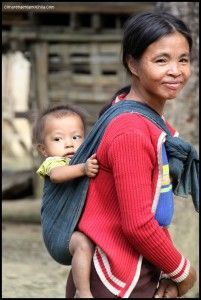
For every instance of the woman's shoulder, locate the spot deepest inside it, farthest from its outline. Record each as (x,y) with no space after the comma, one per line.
(131,124)
(171,129)
(134,122)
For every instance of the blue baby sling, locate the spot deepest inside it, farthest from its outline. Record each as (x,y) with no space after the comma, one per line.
(62,203)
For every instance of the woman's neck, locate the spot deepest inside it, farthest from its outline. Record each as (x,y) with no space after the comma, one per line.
(138,95)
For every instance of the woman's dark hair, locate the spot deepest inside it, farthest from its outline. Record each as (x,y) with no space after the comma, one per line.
(144,29)
(58,111)
(124,90)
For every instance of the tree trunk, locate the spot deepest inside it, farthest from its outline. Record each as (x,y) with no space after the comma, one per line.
(183,113)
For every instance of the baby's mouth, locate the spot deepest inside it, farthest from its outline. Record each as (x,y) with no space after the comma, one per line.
(69,155)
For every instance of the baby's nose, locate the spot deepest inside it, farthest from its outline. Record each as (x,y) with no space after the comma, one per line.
(69,145)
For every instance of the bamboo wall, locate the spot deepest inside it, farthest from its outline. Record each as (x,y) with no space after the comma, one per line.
(75,57)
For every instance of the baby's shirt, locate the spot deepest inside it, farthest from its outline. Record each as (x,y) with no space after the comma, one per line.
(50,163)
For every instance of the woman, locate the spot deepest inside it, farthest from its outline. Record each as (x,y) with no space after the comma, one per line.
(130,203)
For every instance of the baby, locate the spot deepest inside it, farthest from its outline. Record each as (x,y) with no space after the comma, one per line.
(58,133)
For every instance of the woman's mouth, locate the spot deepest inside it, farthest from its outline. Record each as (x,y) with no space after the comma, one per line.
(173,85)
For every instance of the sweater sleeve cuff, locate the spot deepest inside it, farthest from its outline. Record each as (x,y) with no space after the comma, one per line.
(164,276)
(181,272)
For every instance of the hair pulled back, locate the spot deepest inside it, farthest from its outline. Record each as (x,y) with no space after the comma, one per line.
(144,29)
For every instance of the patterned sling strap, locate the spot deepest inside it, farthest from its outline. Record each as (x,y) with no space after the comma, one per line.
(62,204)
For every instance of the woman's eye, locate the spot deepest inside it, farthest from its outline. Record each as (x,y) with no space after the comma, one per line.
(161,60)
(184,60)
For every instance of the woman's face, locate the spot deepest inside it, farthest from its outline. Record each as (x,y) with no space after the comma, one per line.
(164,68)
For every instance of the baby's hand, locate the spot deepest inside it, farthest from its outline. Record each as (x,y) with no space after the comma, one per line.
(167,289)
(91,166)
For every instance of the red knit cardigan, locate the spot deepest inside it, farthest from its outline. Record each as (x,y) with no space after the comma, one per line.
(120,206)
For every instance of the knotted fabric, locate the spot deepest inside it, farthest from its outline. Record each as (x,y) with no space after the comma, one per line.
(62,203)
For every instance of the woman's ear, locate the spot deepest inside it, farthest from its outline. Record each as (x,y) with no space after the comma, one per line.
(41,150)
(132,65)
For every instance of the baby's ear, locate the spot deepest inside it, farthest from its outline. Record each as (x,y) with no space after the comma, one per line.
(41,150)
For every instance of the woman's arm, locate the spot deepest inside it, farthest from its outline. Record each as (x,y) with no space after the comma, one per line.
(169,289)
(132,160)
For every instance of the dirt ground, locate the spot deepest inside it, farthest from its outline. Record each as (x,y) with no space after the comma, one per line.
(27,269)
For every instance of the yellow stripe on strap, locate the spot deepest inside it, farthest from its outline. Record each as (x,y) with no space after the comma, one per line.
(166,189)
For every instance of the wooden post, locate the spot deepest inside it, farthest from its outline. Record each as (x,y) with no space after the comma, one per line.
(95,69)
(40,98)
(41,70)
(96,22)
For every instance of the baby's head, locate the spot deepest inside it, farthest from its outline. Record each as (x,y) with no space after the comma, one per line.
(59,131)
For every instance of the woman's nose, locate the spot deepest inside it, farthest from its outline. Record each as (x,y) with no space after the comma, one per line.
(174,69)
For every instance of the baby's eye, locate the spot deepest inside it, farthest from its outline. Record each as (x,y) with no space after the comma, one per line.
(57,139)
(77,137)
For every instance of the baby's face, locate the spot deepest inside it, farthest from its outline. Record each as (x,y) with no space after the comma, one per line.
(62,136)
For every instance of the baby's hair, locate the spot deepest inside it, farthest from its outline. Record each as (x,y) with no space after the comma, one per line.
(58,111)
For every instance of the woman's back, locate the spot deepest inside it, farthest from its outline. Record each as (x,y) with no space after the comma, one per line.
(115,195)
